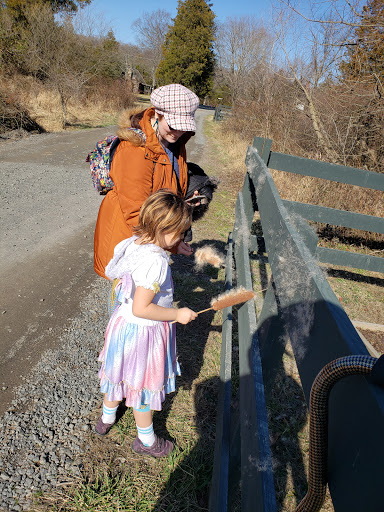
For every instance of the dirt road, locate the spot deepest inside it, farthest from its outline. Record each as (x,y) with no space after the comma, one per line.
(49,210)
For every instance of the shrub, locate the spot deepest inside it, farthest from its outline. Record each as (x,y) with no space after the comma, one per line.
(114,94)
(13,116)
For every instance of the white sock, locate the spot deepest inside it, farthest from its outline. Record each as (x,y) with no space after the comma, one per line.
(146,435)
(109,414)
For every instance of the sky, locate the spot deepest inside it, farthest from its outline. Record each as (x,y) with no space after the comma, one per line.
(119,14)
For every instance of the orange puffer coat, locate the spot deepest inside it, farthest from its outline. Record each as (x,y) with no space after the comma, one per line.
(137,170)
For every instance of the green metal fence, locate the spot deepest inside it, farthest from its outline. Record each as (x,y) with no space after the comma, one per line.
(299,303)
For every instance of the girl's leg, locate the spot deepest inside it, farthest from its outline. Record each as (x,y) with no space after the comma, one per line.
(143,418)
(144,425)
(146,442)
(109,410)
(108,417)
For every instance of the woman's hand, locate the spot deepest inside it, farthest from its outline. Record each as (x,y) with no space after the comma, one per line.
(185,315)
(184,248)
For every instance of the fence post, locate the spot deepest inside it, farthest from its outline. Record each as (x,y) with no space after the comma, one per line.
(257,483)
(218,498)
(263,147)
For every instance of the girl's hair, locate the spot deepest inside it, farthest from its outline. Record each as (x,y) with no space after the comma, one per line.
(163,212)
(136,118)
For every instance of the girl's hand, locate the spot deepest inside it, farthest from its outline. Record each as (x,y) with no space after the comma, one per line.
(185,315)
(184,248)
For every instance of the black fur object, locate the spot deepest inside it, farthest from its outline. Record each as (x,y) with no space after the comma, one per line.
(205,185)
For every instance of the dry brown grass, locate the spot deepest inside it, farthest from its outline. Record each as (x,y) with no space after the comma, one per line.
(98,105)
(289,432)
(361,292)
(316,191)
(306,189)
(325,193)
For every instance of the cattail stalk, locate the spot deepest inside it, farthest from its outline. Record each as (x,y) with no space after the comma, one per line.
(230,298)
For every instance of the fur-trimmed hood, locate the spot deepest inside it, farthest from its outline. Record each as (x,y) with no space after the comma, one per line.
(125,130)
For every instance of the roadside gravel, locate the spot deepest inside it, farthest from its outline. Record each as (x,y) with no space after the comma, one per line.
(44,433)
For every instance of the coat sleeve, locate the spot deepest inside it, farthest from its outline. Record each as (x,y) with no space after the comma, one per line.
(132,175)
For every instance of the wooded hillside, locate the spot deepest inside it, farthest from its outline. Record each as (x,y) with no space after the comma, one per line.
(310,79)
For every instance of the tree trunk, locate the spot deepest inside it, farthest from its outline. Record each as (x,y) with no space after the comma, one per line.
(64,102)
(321,134)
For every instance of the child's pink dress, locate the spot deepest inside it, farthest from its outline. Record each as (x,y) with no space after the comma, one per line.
(139,361)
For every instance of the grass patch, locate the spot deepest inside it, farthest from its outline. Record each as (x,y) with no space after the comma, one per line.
(94,107)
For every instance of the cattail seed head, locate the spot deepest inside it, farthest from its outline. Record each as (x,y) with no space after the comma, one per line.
(208,255)
(232,297)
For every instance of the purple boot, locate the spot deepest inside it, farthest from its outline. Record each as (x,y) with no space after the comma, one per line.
(103,428)
(160,448)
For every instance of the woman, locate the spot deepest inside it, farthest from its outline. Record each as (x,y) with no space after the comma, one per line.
(150,156)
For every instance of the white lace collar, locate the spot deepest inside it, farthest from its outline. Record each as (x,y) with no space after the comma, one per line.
(128,256)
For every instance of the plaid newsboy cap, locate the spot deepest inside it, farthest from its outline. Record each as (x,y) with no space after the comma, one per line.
(178,105)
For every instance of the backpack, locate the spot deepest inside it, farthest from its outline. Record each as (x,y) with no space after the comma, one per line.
(100,162)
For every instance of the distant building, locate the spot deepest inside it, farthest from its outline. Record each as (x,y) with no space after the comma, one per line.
(138,83)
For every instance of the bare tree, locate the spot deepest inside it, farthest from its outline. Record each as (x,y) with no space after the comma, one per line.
(60,56)
(346,13)
(313,53)
(345,111)
(151,30)
(242,45)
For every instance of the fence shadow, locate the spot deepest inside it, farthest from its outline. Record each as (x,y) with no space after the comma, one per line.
(287,416)
(188,486)
(355,276)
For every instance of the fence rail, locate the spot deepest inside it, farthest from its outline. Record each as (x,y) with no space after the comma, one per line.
(298,306)
(221,111)
(336,173)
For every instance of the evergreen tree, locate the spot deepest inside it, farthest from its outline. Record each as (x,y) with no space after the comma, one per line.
(365,56)
(70,6)
(188,57)
(107,59)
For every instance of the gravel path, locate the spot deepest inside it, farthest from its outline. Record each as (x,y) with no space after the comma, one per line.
(46,428)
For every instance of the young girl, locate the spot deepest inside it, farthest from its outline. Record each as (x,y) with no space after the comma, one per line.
(139,360)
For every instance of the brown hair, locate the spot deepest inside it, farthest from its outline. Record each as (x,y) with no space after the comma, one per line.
(136,118)
(163,212)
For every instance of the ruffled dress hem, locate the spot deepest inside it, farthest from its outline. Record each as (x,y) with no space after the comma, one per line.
(137,397)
